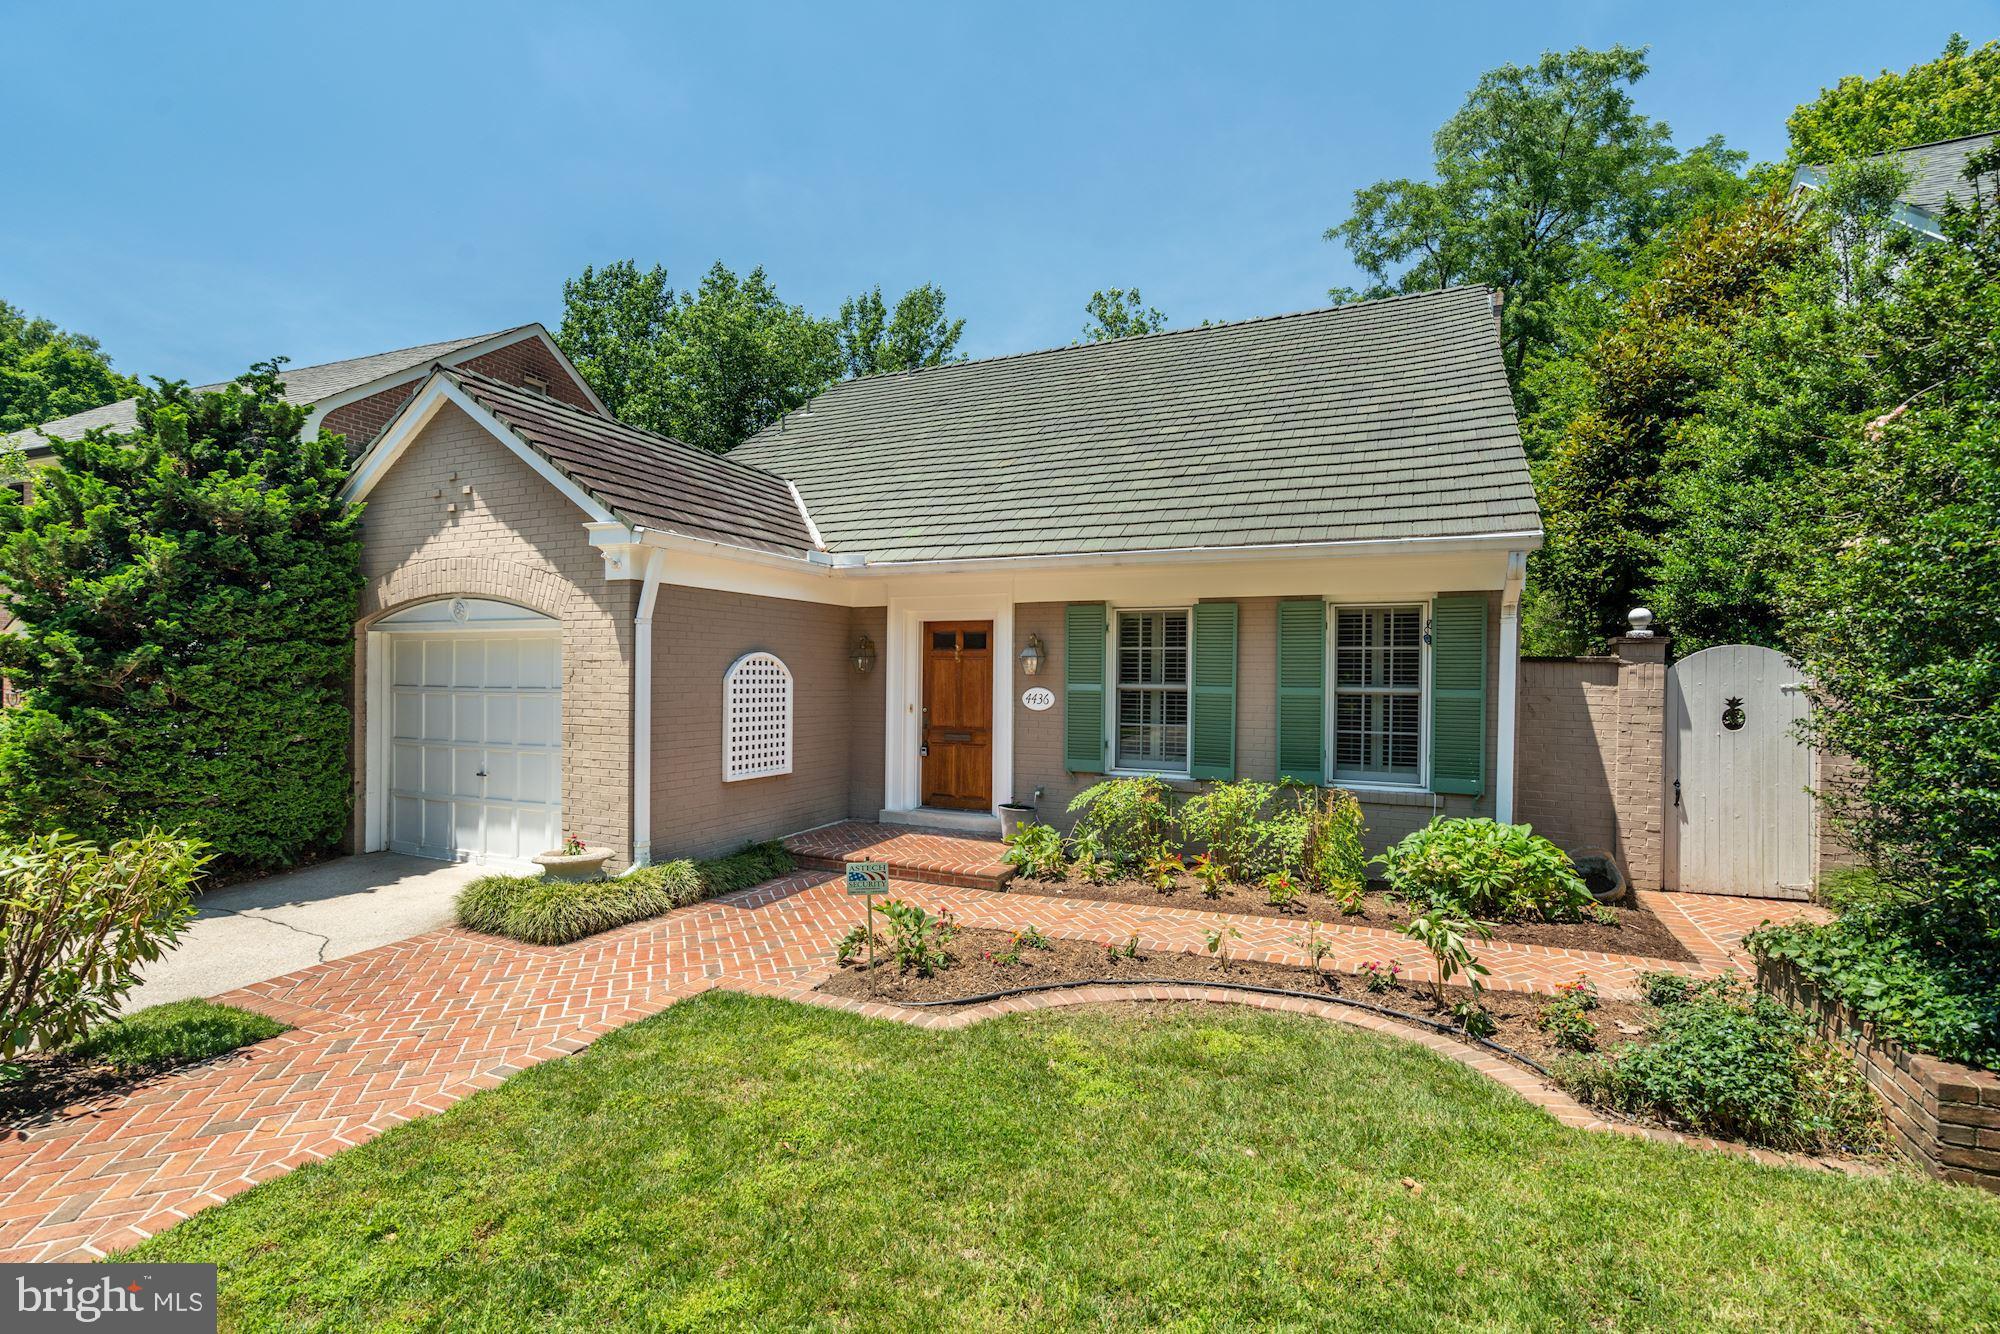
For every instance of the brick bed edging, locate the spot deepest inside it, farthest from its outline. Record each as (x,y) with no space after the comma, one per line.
(1499,1069)
(1944,1116)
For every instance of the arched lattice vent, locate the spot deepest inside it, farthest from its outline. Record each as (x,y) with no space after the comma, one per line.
(756,718)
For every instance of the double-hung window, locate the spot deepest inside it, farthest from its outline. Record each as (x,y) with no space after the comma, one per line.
(1378,694)
(1152,691)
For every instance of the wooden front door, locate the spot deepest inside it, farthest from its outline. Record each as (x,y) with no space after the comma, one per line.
(958,715)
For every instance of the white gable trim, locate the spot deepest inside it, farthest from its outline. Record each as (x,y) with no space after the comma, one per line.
(472,351)
(417,414)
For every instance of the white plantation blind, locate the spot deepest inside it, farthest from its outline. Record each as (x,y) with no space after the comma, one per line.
(756,718)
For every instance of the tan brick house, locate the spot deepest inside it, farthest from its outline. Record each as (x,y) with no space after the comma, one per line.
(1289,546)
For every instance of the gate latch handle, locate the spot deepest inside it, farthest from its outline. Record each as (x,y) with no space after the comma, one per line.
(1677,792)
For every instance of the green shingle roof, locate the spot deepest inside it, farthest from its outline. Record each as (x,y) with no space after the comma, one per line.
(1376,420)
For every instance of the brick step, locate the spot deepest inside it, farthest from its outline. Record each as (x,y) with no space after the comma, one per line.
(923,855)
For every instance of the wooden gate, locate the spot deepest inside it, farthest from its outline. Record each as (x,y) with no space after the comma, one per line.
(1739,816)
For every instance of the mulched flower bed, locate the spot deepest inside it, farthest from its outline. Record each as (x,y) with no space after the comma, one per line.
(1636,930)
(52,1081)
(976,970)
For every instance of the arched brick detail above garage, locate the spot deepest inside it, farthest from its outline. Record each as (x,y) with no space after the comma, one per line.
(460,515)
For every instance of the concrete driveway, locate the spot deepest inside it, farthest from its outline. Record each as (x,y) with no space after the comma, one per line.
(271,927)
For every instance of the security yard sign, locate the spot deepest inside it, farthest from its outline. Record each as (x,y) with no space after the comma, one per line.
(868,877)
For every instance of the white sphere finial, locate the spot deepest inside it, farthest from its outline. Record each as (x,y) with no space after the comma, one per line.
(1642,623)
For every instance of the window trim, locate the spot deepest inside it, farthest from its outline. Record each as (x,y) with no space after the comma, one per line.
(1422,782)
(1112,769)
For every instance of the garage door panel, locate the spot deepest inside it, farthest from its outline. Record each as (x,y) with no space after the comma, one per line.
(537,829)
(541,663)
(469,668)
(536,773)
(475,748)
(437,717)
(406,766)
(438,657)
(468,717)
(503,714)
(541,721)
(502,776)
(406,658)
(406,714)
(467,778)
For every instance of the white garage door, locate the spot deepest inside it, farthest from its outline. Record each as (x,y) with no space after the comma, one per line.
(475,746)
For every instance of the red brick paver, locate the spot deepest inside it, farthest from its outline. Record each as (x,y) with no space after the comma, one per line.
(398,1032)
(922,855)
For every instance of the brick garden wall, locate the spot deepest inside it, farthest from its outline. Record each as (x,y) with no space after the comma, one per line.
(1945,1117)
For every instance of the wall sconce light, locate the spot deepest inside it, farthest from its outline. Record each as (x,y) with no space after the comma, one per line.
(1033,655)
(864,655)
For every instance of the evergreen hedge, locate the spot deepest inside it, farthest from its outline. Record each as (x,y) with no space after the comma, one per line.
(186,596)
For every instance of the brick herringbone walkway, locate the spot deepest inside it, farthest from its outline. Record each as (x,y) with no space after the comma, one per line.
(398,1032)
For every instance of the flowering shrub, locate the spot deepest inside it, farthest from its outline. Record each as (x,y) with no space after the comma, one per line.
(919,939)
(1128,818)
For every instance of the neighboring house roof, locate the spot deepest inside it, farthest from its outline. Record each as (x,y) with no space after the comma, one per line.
(645,479)
(303,384)
(1377,420)
(1936,174)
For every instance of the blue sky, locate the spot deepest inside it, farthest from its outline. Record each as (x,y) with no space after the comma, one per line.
(203,185)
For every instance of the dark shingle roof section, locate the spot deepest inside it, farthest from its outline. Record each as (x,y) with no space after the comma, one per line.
(1937,171)
(303,384)
(648,479)
(1377,420)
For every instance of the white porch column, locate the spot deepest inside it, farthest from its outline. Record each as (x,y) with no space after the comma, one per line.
(642,709)
(1510,672)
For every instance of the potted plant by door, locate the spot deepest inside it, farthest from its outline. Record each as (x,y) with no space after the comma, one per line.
(1014,814)
(574,861)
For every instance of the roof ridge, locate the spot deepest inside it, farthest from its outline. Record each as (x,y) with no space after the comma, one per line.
(1161,334)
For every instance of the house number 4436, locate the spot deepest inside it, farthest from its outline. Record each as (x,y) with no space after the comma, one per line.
(1038,698)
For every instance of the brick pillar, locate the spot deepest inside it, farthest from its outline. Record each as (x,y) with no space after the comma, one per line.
(1638,784)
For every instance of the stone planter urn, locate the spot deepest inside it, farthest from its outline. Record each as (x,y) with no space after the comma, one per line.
(585,865)
(1013,815)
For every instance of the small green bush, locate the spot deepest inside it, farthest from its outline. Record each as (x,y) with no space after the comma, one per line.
(919,939)
(1227,819)
(76,921)
(1907,967)
(1483,868)
(1725,1062)
(161,1037)
(541,911)
(1126,819)
(1036,851)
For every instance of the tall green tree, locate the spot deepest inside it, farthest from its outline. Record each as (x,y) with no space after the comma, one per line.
(1956,94)
(1120,313)
(46,372)
(875,339)
(185,602)
(1547,183)
(712,366)
(1600,485)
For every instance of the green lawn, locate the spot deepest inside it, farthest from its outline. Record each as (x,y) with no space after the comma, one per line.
(746,1162)
(161,1037)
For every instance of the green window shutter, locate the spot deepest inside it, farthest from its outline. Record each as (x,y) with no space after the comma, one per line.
(1083,687)
(1458,695)
(1212,710)
(1302,691)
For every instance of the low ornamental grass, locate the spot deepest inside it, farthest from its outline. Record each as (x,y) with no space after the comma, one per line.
(537,910)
